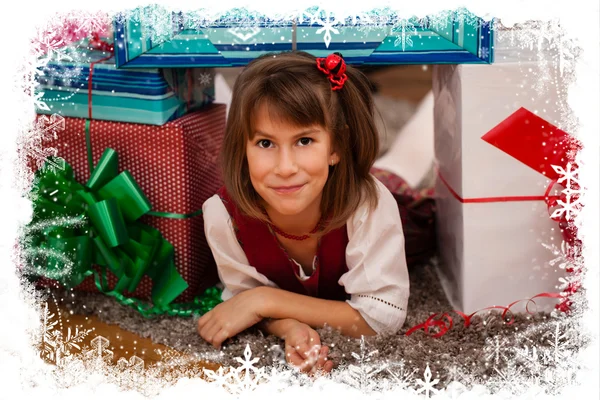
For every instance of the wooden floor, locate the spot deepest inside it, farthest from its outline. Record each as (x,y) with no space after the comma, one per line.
(401,82)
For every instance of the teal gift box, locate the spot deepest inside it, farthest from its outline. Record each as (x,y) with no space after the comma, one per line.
(83,82)
(152,37)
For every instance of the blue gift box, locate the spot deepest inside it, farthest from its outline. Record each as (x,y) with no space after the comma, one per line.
(146,96)
(455,37)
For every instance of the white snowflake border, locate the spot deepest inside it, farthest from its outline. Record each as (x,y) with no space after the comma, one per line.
(569,208)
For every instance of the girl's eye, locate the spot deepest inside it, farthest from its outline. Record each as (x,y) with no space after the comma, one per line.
(264,143)
(305,141)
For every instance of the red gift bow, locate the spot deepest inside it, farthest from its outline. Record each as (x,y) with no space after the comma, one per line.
(539,145)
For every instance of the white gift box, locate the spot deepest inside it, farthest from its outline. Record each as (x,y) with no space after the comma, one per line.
(492,219)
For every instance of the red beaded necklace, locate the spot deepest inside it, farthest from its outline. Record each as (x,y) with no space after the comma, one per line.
(294,237)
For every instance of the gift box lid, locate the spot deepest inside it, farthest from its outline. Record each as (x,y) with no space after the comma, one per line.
(144,40)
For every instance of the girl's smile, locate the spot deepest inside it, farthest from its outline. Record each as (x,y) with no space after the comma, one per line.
(288,189)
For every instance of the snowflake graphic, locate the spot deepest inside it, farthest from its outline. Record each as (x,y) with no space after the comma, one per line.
(572,205)
(92,22)
(39,103)
(244,34)
(205,78)
(310,17)
(50,47)
(50,126)
(459,374)
(403,31)
(241,380)
(327,21)
(366,23)
(45,129)
(134,363)
(496,349)
(156,22)
(361,376)
(361,19)
(401,376)
(427,385)
(567,257)
(545,354)
(100,350)
(484,52)
(466,17)
(438,21)
(197,20)
(54,345)
(562,345)
(37,68)
(532,361)
(510,377)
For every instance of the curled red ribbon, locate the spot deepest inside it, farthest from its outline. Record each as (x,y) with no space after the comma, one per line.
(444,327)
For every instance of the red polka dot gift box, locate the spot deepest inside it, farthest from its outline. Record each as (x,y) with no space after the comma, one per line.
(173,170)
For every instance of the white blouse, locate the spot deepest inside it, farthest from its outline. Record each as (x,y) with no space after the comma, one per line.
(377,277)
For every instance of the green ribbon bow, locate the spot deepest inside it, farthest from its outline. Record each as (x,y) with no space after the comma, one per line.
(77,226)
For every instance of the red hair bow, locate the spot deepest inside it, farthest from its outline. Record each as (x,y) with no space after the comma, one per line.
(334,67)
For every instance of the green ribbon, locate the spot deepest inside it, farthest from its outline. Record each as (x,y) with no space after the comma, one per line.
(77,226)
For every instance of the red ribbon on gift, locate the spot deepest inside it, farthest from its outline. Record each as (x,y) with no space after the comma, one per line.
(539,145)
(97,44)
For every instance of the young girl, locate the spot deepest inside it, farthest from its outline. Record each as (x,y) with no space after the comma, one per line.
(303,234)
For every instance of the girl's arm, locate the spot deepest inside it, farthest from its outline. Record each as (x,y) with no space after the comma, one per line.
(281,305)
(377,279)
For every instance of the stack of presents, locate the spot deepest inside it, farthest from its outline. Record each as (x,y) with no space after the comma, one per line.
(138,133)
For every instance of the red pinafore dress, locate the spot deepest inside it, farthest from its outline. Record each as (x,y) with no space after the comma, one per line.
(265,253)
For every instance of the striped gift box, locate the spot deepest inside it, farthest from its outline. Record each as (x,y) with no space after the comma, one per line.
(145,96)
(457,37)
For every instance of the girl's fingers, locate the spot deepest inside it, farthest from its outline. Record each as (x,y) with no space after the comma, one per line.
(319,367)
(294,358)
(304,349)
(211,331)
(322,357)
(202,321)
(204,330)
(220,337)
(328,366)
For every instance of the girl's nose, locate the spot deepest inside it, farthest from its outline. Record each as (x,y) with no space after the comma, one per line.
(287,163)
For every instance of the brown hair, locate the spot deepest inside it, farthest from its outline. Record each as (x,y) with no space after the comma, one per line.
(298,93)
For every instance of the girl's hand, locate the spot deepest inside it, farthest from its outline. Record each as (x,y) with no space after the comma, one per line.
(231,317)
(304,351)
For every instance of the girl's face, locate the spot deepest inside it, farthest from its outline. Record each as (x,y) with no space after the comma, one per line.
(289,165)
